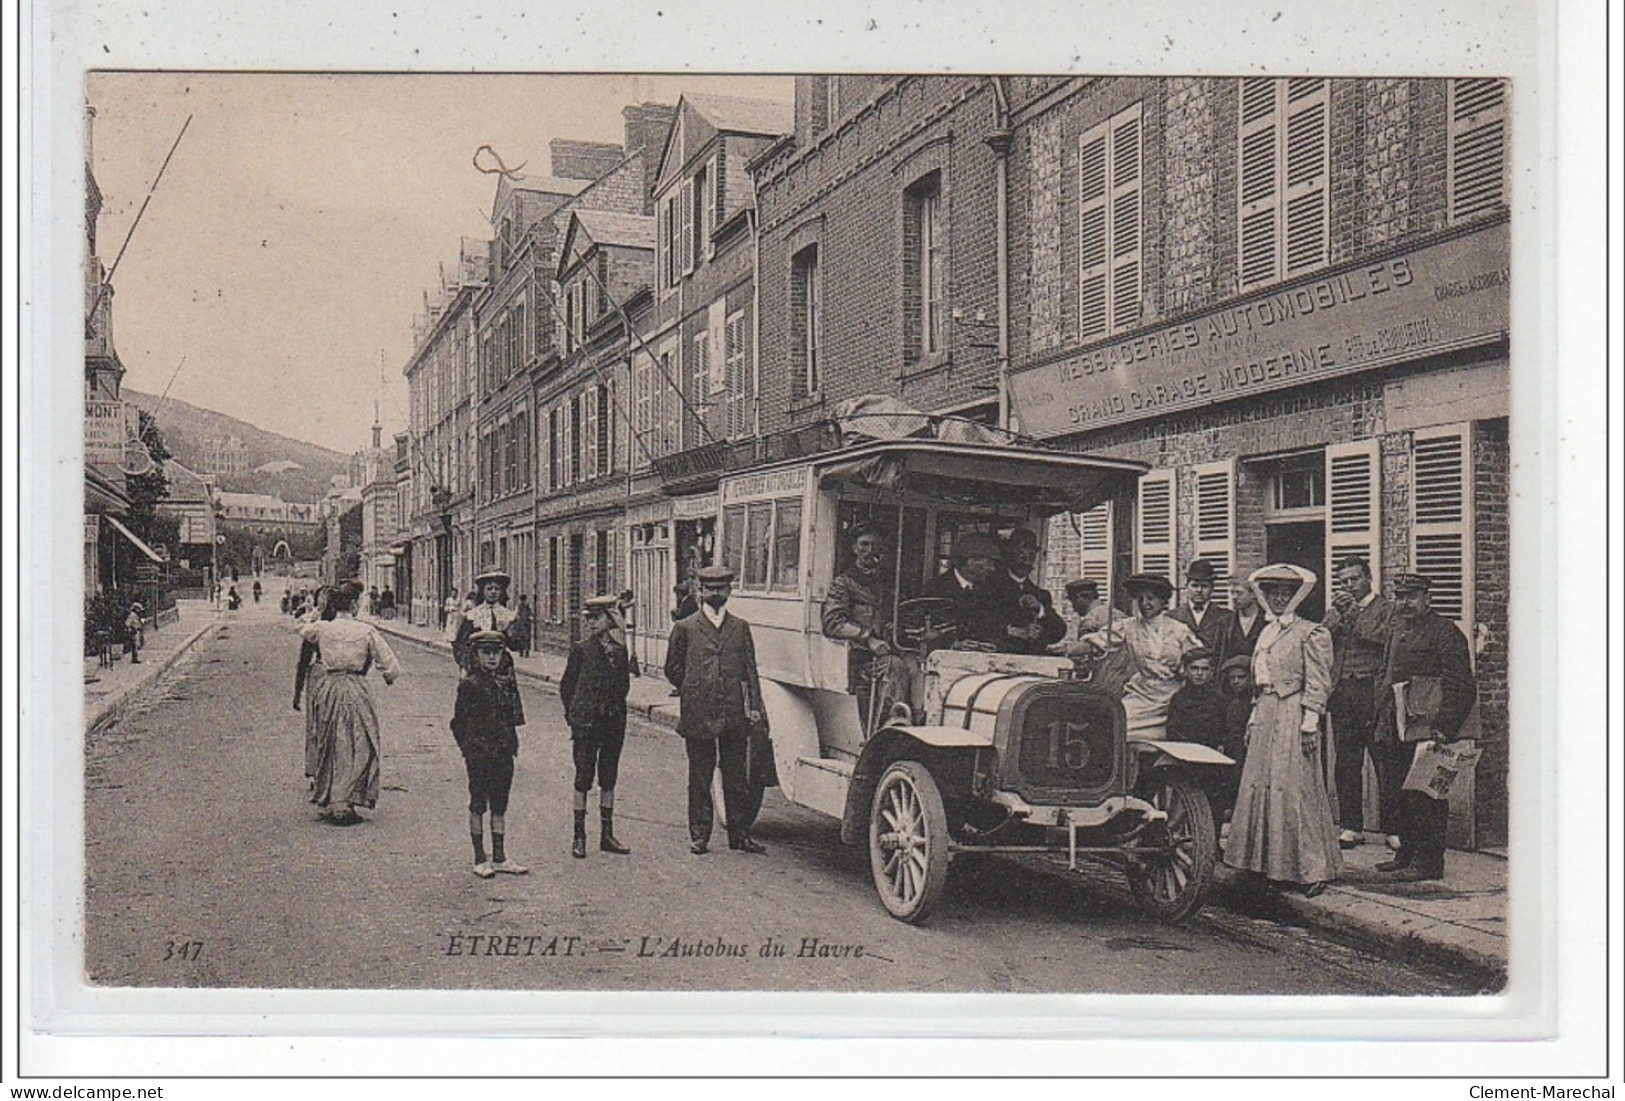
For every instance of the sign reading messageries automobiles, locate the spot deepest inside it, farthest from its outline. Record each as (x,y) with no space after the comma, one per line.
(1437,299)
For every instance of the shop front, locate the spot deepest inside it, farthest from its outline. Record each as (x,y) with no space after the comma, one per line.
(1361,413)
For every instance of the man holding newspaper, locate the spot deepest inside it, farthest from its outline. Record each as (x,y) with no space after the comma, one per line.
(1427,693)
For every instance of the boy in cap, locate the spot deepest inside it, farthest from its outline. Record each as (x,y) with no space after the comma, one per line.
(596,679)
(484,722)
(1196,713)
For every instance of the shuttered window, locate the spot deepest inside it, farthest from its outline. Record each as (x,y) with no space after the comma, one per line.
(1110,225)
(737,381)
(699,377)
(589,435)
(1441,519)
(1095,546)
(686,217)
(1354,507)
(1478,147)
(1284,169)
(1216,523)
(1154,525)
(606,431)
(572,431)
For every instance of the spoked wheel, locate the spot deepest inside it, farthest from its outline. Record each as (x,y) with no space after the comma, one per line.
(908,841)
(1172,882)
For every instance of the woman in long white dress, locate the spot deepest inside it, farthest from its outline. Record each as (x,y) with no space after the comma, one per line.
(1156,645)
(347,768)
(1283,827)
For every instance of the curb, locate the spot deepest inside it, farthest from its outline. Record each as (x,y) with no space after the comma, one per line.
(114,706)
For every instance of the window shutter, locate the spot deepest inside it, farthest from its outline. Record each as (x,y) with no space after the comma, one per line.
(686,214)
(1441,519)
(712,203)
(1154,524)
(602,280)
(1095,546)
(1125,219)
(699,372)
(1308,170)
(1258,193)
(1216,523)
(736,382)
(589,435)
(1478,122)
(1354,507)
(1093,266)
(570,418)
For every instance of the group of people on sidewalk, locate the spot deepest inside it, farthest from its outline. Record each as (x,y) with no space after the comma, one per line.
(1298,704)
(711,661)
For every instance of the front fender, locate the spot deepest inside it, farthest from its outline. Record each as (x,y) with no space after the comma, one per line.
(931,745)
(1151,754)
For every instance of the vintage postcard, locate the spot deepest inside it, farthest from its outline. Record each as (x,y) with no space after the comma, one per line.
(700,543)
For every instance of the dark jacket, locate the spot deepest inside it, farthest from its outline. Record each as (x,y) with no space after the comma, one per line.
(982,613)
(486,715)
(1427,646)
(1244,642)
(1052,626)
(596,679)
(1361,639)
(713,670)
(1218,629)
(1198,715)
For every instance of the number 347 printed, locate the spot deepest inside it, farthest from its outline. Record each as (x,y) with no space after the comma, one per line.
(188,950)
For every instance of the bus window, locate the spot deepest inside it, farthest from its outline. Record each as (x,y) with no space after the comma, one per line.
(733,538)
(758,544)
(787,545)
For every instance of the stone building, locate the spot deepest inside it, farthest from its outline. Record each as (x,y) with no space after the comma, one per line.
(439,510)
(1290,298)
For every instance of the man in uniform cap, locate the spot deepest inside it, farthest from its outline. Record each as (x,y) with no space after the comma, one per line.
(596,679)
(711,661)
(858,611)
(1423,644)
(1214,625)
(984,609)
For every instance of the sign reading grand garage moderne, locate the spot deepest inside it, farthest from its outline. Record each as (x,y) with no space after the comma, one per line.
(1436,299)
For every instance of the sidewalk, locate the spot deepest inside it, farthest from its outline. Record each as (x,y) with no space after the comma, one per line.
(1458,922)
(107,690)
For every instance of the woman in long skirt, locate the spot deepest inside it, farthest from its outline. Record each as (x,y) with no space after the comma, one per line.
(307,681)
(1283,827)
(348,759)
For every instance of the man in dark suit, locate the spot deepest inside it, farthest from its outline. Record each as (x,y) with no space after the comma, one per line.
(711,660)
(596,679)
(1213,624)
(1360,621)
(1037,624)
(1249,619)
(984,608)
(1423,644)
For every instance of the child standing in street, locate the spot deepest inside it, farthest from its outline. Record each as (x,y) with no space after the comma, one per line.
(485,723)
(594,687)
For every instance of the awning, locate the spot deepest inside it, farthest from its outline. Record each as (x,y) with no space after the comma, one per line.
(135,539)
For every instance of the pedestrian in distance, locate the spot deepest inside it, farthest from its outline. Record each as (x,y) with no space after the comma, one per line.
(258,589)
(485,722)
(1361,621)
(1283,827)
(597,677)
(135,633)
(524,626)
(347,770)
(233,599)
(1424,646)
(711,660)
(1036,624)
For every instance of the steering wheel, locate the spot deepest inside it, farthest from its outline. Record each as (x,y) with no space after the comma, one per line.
(921,617)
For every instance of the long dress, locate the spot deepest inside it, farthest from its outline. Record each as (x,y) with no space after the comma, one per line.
(348,756)
(1283,826)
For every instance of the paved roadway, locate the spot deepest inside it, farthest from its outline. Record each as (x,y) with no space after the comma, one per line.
(206,866)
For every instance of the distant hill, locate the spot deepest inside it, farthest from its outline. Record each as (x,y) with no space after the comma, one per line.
(294,470)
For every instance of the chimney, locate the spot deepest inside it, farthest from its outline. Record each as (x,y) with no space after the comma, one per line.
(582,160)
(646,126)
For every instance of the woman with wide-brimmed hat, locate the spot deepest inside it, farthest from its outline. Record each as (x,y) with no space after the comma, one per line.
(1283,827)
(1157,645)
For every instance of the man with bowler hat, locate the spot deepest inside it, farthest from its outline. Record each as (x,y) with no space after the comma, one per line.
(1037,624)
(1213,624)
(1423,644)
(711,661)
